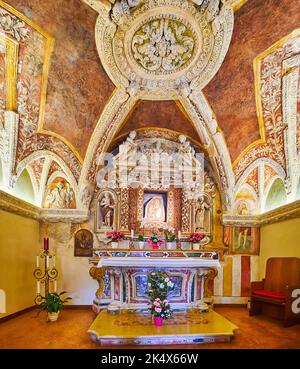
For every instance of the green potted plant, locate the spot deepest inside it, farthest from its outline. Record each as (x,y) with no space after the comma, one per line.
(141,240)
(170,237)
(53,303)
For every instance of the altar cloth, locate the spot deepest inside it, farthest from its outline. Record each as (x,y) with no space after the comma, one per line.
(157,262)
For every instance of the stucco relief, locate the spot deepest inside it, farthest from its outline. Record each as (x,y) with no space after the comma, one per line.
(13,26)
(20,137)
(252,179)
(270,89)
(154,49)
(37,169)
(268,175)
(163,45)
(60,195)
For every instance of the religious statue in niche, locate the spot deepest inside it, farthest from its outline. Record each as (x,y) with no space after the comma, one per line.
(245,240)
(60,195)
(202,215)
(83,243)
(106,211)
(155,208)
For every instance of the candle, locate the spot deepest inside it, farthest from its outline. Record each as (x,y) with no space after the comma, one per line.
(38,287)
(47,261)
(132,233)
(46,244)
(37,261)
(55,286)
(179,235)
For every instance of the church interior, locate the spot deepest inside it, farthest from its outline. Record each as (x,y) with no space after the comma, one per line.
(150,174)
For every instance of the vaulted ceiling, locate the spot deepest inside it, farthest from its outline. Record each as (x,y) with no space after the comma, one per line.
(78,87)
(76,90)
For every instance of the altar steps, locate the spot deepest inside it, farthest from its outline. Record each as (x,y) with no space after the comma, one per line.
(132,328)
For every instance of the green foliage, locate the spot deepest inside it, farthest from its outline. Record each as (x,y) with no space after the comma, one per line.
(159,285)
(170,238)
(53,302)
(141,238)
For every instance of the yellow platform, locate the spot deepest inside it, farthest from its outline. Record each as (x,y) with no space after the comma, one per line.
(132,328)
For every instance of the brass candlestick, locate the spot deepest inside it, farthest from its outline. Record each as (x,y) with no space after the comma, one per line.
(45,275)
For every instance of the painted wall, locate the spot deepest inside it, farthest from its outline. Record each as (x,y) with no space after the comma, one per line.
(19,240)
(279,239)
(73,271)
(23,188)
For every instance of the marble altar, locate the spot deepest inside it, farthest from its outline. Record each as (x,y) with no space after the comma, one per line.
(122,277)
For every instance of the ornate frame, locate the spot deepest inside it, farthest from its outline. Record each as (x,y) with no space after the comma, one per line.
(170,205)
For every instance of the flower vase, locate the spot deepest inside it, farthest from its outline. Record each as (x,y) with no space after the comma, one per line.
(155,246)
(196,246)
(52,317)
(114,244)
(158,321)
(141,244)
(170,245)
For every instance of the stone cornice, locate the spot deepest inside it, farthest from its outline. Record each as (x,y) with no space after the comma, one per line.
(280,214)
(17,206)
(64,215)
(20,207)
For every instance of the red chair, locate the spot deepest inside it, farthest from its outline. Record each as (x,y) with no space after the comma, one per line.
(273,295)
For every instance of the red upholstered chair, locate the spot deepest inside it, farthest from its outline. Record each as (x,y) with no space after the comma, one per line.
(273,295)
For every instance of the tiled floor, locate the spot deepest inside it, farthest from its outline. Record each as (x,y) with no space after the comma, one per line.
(70,331)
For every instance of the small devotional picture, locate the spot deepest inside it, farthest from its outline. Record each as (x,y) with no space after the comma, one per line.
(83,243)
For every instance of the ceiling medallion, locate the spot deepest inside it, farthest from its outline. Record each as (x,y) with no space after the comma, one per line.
(157,46)
(163,45)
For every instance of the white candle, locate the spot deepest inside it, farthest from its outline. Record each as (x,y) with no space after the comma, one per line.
(38,287)
(55,286)
(47,261)
(179,235)
(132,233)
(37,261)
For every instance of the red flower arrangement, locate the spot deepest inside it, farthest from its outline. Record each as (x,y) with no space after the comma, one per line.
(196,237)
(155,242)
(115,236)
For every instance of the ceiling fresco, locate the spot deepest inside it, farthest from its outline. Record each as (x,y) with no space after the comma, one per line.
(77,78)
(258,25)
(78,88)
(159,114)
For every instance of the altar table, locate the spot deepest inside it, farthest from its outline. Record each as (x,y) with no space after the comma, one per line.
(122,277)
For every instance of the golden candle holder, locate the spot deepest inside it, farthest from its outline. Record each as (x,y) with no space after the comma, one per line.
(45,274)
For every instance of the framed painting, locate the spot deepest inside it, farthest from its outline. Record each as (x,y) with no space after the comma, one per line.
(244,240)
(155,207)
(83,243)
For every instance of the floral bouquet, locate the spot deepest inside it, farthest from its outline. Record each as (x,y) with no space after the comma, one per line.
(159,285)
(115,236)
(160,309)
(155,241)
(196,237)
(170,234)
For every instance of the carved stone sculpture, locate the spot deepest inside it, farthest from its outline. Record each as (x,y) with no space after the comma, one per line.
(60,197)
(202,215)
